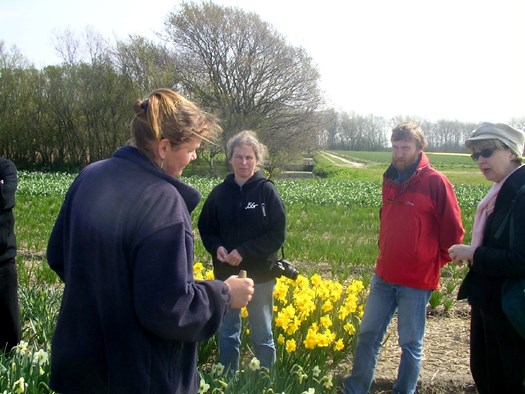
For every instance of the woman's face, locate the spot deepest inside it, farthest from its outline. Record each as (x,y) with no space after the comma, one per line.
(177,157)
(497,165)
(243,162)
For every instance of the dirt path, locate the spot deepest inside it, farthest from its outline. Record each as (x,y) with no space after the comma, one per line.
(340,161)
(445,367)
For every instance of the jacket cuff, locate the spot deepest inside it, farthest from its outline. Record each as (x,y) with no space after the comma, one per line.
(226,293)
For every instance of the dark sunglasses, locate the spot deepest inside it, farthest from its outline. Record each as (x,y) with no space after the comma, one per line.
(486,153)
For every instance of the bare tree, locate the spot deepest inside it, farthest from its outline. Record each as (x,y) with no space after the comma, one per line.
(356,132)
(240,68)
(68,46)
(146,63)
(12,58)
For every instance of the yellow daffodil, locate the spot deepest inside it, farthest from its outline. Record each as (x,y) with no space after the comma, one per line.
(291,346)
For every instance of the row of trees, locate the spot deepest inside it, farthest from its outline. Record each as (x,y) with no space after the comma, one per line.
(229,61)
(356,132)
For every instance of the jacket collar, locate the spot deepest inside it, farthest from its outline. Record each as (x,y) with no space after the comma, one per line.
(190,195)
(256,178)
(392,173)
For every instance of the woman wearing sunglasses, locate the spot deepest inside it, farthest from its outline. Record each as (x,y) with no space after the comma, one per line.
(496,253)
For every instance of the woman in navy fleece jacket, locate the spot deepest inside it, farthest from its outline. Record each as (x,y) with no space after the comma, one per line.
(131,311)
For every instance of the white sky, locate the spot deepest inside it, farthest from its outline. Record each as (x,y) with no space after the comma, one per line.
(437,59)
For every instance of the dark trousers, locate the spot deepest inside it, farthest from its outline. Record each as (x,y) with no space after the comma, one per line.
(497,353)
(9,311)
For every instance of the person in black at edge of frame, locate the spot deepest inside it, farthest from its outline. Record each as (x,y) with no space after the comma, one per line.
(9,309)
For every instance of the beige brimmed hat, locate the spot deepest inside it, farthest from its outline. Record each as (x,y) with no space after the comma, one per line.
(510,136)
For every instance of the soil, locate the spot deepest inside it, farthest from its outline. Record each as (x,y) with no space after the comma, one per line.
(445,366)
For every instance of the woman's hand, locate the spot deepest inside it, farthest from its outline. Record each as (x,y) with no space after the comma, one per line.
(222,254)
(461,254)
(241,291)
(233,258)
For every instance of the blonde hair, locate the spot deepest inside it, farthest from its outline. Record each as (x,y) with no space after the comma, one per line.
(247,137)
(164,113)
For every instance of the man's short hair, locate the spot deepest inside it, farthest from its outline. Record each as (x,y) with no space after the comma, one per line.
(409,131)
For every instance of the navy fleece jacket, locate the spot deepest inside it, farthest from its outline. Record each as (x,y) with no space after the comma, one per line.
(131,311)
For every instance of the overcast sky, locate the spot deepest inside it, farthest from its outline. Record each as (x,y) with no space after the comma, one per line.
(447,59)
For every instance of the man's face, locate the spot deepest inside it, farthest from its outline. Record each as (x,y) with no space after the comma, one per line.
(404,154)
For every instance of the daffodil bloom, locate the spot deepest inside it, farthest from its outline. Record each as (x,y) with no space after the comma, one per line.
(301,376)
(316,279)
(217,369)
(360,311)
(255,364)
(284,317)
(326,321)
(316,371)
(291,346)
(19,386)
(203,387)
(310,342)
(327,306)
(21,348)
(349,328)
(355,287)
(280,291)
(339,345)
(327,381)
(40,357)
(293,326)
(198,268)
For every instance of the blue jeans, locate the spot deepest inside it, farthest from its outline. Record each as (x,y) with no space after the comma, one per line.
(384,299)
(260,313)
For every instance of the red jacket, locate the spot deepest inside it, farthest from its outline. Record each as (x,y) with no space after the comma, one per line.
(420,220)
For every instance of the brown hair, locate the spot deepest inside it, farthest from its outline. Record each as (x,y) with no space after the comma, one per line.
(164,113)
(409,131)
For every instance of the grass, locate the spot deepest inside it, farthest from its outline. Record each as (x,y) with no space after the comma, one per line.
(34,217)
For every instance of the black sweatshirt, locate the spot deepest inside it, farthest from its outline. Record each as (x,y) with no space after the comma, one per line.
(250,218)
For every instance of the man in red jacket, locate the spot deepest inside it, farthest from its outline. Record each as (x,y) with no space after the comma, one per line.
(420,219)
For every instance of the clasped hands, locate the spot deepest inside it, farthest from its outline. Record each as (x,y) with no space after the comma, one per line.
(461,254)
(232,258)
(241,289)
